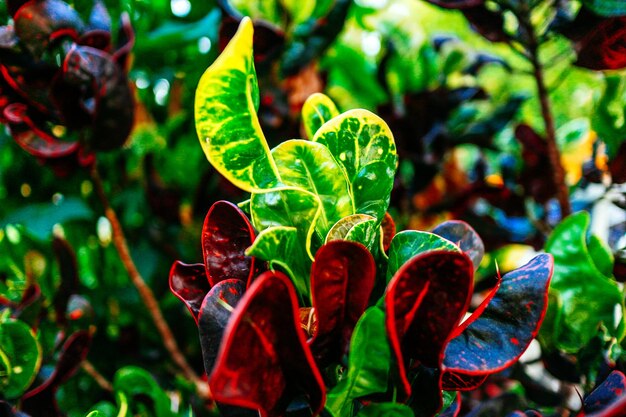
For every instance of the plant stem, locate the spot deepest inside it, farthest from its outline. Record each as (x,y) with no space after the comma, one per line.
(97,376)
(554,155)
(146,294)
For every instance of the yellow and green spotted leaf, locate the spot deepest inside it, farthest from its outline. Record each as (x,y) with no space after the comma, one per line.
(311,167)
(364,146)
(317,110)
(226,120)
(281,247)
(343,226)
(20,356)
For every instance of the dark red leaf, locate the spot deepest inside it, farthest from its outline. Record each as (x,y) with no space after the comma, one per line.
(465,237)
(494,340)
(268,41)
(389,230)
(462,382)
(66,259)
(216,309)
(264,361)
(226,235)
(37,22)
(425,301)
(488,23)
(536,165)
(342,279)
(605,394)
(41,401)
(190,284)
(125,42)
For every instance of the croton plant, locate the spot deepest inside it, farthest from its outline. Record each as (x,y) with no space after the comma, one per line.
(307,301)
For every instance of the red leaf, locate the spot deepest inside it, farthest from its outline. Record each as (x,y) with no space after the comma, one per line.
(426,299)
(226,235)
(189,283)
(389,230)
(342,279)
(264,361)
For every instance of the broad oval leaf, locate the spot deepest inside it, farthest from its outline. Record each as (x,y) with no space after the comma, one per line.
(311,166)
(213,317)
(368,364)
(366,233)
(497,338)
(264,361)
(342,279)
(137,385)
(21,357)
(587,296)
(410,243)
(190,284)
(606,394)
(425,301)
(281,247)
(343,226)
(465,237)
(226,235)
(317,110)
(363,144)
(226,121)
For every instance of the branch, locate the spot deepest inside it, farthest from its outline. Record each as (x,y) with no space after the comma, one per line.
(146,294)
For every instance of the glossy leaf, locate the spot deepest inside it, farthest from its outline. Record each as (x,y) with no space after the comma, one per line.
(264,361)
(465,237)
(190,284)
(342,279)
(225,111)
(213,317)
(283,250)
(366,233)
(410,243)
(363,144)
(425,301)
(608,392)
(344,225)
(317,110)
(388,230)
(311,166)
(588,297)
(226,235)
(386,409)
(368,364)
(41,401)
(138,386)
(21,357)
(497,336)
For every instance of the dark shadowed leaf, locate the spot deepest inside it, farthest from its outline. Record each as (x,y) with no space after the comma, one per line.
(66,259)
(387,410)
(342,279)
(190,284)
(454,408)
(264,361)
(213,317)
(494,339)
(457,4)
(425,301)
(41,401)
(138,386)
(465,237)
(226,235)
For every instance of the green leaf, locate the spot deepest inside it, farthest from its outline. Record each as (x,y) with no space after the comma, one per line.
(368,364)
(606,8)
(317,110)
(601,255)
(311,167)
(96,413)
(609,114)
(281,247)
(133,384)
(588,296)
(410,243)
(226,121)
(363,144)
(366,233)
(387,410)
(21,357)
(287,206)
(343,226)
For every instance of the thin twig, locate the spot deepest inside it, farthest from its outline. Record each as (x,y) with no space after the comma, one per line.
(146,294)
(97,376)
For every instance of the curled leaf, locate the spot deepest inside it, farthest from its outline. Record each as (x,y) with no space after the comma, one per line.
(189,283)
(317,110)
(465,237)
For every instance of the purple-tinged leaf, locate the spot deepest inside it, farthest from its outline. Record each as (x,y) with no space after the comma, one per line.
(6,410)
(425,301)
(264,361)
(527,413)
(37,23)
(342,279)
(125,42)
(213,317)
(99,18)
(465,237)
(494,340)
(605,394)
(615,409)
(41,401)
(190,284)
(226,235)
